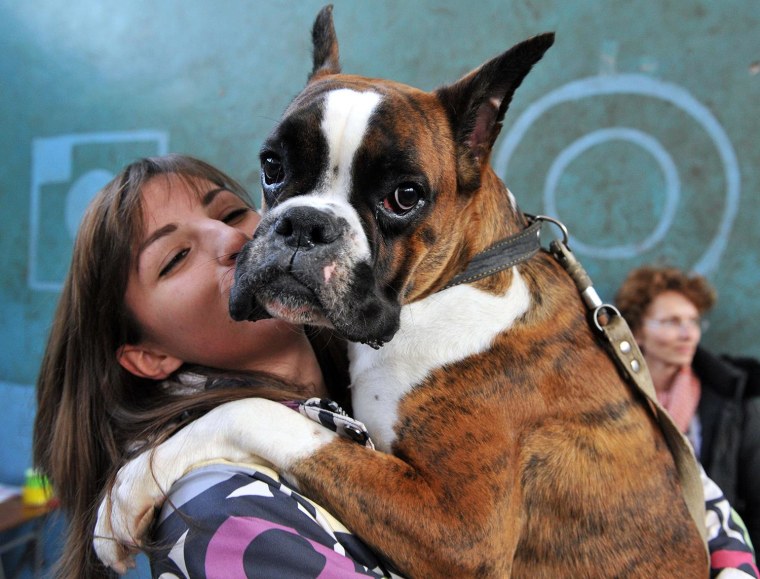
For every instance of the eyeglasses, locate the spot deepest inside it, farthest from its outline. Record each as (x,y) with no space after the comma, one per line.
(677,324)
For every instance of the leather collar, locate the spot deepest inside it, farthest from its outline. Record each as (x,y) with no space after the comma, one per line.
(502,255)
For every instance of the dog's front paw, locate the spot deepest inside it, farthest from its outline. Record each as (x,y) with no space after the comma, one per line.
(112,553)
(126,513)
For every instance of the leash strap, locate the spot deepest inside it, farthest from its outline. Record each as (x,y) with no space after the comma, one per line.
(503,254)
(625,352)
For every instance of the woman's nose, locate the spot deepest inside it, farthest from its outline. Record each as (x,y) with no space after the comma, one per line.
(229,243)
(689,330)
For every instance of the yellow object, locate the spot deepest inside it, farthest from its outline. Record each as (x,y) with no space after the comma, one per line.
(37,490)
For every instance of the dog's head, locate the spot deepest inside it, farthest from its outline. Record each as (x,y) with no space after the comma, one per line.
(369,189)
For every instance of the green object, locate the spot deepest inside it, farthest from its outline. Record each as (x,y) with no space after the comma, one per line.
(37,488)
(36,480)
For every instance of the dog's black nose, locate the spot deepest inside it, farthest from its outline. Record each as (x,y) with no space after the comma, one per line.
(306,227)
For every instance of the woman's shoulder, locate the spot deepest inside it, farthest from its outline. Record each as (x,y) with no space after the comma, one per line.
(731,377)
(751,367)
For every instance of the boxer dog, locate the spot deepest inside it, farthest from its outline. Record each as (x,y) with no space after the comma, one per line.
(512,446)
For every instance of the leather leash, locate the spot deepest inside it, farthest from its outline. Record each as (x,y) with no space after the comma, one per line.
(623,349)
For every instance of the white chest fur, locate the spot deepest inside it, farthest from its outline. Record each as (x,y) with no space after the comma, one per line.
(443,328)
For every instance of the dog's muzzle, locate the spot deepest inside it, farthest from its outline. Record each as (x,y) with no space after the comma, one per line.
(304,265)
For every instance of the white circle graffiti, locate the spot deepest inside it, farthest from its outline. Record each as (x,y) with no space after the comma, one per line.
(669,170)
(642,85)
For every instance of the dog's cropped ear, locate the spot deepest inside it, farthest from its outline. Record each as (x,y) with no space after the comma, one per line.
(325,45)
(477,103)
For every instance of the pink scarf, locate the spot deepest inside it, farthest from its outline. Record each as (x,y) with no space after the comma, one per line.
(681,399)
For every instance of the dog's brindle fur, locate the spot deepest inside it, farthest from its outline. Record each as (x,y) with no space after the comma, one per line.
(513,446)
(530,457)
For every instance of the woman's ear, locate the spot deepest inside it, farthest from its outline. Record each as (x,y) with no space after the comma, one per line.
(146,362)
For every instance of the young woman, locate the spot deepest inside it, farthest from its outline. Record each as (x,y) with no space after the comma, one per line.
(137,348)
(714,400)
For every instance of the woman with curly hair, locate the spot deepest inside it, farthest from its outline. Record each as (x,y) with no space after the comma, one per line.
(714,400)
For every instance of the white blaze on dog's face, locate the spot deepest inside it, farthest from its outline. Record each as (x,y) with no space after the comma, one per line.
(345,122)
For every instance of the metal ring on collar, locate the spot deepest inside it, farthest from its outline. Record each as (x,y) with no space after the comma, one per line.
(598,310)
(559,224)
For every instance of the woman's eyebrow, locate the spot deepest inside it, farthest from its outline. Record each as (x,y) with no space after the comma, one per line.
(207,198)
(153,237)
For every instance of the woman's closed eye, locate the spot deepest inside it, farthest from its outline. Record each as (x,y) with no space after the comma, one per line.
(173,262)
(235,215)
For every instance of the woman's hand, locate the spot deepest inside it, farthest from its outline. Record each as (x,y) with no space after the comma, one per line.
(244,431)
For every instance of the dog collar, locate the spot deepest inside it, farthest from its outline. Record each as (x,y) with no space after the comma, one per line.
(503,254)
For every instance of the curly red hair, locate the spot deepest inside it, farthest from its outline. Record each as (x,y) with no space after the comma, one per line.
(645,283)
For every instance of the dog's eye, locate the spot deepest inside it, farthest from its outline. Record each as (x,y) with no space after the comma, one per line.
(404,199)
(272,172)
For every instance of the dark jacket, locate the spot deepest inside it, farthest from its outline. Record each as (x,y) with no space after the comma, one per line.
(729,410)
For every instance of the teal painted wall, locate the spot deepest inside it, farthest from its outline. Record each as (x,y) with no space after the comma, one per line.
(638,129)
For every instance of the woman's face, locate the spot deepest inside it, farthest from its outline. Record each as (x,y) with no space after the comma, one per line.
(670,330)
(180,289)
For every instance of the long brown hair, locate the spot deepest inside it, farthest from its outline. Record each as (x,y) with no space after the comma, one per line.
(90,411)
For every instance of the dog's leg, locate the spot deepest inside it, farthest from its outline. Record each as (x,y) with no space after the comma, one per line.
(429,525)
